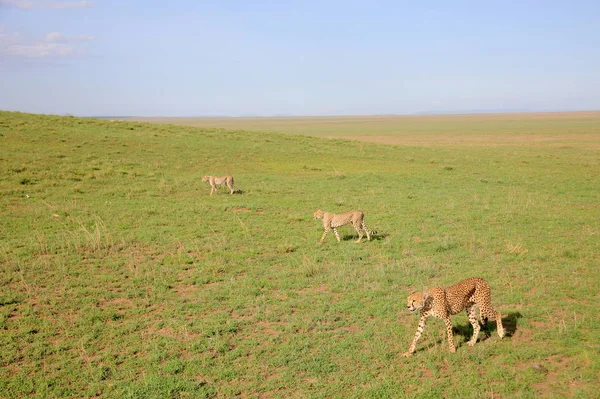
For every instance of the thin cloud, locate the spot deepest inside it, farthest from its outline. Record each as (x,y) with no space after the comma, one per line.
(53,44)
(56,37)
(48,4)
(7,39)
(39,50)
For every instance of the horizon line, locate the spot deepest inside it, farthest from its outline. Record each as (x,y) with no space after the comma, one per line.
(423,113)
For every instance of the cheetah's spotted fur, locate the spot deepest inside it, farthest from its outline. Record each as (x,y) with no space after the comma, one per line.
(219,181)
(332,221)
(469,294)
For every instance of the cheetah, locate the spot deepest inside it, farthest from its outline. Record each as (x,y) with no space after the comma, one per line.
(469,294)
(332,221)
(219,181)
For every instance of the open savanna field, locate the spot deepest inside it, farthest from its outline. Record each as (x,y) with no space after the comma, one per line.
(122,278)
(542,129)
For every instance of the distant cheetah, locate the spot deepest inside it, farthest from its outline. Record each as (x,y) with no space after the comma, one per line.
(219,181)
(332,221)
(469,294)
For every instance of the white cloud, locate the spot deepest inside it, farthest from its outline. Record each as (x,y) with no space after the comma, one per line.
(54,37)
(53,44)
(8,38)
(38,50)
(48,4)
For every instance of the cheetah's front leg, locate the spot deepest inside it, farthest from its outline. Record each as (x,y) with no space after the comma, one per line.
(420,329)
(337,235)
(450,337)
(323,236)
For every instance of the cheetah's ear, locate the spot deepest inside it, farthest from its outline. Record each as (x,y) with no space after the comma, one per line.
(426,297)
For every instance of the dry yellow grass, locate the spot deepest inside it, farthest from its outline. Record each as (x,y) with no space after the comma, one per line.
(580,129)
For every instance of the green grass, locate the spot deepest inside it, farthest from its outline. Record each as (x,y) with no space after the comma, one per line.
(121,277)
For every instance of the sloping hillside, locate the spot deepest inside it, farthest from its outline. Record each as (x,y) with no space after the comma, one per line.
(122,277)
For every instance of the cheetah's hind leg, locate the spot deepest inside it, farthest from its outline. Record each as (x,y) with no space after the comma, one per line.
(499,325)
(490,313)
(472,314)
(360,233)
(364,227)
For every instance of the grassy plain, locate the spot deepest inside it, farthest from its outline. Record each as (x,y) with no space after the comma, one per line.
(531,129)
(121,277)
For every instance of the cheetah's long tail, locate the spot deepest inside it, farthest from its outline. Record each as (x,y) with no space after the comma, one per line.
(365,228)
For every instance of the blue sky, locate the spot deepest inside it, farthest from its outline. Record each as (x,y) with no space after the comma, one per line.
(264,58)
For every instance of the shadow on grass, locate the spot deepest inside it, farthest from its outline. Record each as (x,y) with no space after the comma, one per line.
(379,236)
(374,237)
(226,192)
(509,322)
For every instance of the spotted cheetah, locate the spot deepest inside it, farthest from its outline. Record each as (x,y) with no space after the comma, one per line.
(469,294)
(332,221)
(219,181)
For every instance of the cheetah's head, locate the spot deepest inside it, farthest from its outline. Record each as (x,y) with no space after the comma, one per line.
(205,178)
(415,301)
(318,214)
